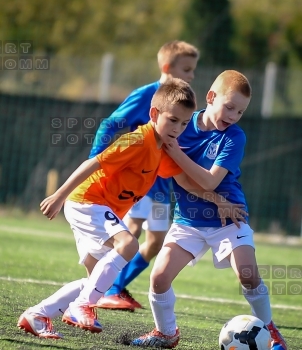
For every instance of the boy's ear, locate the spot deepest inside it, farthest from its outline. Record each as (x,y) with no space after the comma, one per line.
(166,68)
(153,114)
(210,96)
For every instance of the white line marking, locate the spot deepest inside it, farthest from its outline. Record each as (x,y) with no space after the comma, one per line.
(180,296)
(264,238)
(35,232)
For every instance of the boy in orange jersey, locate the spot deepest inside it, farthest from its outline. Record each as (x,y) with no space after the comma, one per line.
(97,196)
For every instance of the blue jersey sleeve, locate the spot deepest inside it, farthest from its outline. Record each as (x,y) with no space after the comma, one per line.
(232,152)
(134,111)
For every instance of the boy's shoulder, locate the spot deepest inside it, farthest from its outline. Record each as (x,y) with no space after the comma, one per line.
(235,131)
(142,136)
(148,89)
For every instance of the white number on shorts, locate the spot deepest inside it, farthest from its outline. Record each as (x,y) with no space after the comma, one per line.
(110,216)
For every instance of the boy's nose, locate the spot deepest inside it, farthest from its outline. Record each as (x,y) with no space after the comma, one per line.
(176,129)
(190,77)
(232,117)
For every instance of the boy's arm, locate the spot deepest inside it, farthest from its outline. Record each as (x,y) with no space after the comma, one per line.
(226,209)
(228,159)
(207,179)
(51,205)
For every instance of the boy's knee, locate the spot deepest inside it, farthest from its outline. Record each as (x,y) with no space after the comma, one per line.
(159,282)
(127,247)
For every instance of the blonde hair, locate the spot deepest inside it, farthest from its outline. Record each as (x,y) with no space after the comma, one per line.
(174,92)
(232,80)
(171,51)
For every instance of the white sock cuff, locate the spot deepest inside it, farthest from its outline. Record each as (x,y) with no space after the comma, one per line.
(256,292)
(117,259)
(163,296)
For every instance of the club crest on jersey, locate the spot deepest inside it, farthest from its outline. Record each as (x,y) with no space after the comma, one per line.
(212,151)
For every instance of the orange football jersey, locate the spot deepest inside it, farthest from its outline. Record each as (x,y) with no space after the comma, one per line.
(128,169)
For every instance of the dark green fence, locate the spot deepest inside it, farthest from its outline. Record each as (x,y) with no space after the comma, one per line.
(39,134)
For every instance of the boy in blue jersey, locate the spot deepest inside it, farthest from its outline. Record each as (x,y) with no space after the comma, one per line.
(211,150)
(176,59)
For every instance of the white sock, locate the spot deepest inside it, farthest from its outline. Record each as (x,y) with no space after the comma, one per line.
(259,301)
(57,303)
(162,306)
(102,277)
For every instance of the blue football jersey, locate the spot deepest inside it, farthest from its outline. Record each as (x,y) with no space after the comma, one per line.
(134,111)
(206,148)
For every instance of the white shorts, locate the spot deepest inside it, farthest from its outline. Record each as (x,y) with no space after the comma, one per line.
(92,225)
(222,241)
(157,215)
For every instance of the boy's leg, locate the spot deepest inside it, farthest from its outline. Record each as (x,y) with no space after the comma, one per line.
(106,270)
(234,247)
(157,227)
(101,238)
(80,311)
(135,227)
(147,251)
(243,262)
(169,262)
(117,297)
(37,319)
(182,245)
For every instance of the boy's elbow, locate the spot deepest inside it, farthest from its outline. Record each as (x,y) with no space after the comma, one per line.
(210,186)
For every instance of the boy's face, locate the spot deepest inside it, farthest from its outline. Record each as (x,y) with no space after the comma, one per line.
(183,68)
(170,123)
(226,109)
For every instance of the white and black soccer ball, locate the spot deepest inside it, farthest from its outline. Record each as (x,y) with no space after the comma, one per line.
(244,332)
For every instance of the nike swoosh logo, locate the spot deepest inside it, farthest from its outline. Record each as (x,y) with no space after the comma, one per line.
(146,171)
(98,291)
(238,237)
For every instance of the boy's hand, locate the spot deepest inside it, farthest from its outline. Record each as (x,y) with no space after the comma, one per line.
(172,148)
(51,206)
(232,211)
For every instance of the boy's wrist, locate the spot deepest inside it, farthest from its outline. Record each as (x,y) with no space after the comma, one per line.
(218,199)
(177,155)
(60,194)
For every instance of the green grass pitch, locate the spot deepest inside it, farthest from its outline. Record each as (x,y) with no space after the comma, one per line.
(38,256)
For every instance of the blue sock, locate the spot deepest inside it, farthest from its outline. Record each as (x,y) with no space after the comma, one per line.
(128,274)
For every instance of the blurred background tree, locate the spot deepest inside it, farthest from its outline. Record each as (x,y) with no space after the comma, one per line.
(209,25)
(267,30)
(243,32)
(92,27)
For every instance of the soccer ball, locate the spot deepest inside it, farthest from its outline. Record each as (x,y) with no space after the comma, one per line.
(244,332)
